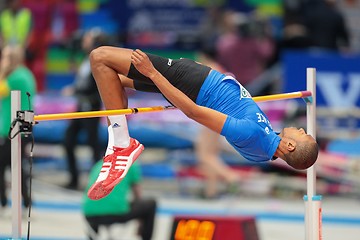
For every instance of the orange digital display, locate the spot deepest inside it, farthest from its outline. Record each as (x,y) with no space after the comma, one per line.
(213,228)
(192,229)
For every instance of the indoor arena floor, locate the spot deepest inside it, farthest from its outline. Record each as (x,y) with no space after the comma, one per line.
(56,215)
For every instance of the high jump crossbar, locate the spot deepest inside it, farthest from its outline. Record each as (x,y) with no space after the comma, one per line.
(103,113)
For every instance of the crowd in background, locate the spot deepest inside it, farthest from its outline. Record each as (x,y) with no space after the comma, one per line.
(225,32)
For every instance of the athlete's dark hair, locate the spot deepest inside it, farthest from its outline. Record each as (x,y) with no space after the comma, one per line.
(304,156)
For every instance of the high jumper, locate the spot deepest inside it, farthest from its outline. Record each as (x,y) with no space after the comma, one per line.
(205,95)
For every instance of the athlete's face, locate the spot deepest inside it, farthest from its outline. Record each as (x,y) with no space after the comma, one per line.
(297,134)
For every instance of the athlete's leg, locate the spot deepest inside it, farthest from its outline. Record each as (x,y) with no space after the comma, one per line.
(110,66)
(107,65)
(126,82)
(138,85)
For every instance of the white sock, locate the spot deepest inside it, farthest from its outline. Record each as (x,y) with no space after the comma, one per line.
(120,131)
(109,149)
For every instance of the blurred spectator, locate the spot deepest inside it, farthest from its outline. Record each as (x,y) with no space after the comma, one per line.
(245,47)
(326,26)
(294,9)
(351,11)
(117,208)
(13,76)
(15,24)
(64,22)
(88,99)
(211,27)
(294,36)
(209,144)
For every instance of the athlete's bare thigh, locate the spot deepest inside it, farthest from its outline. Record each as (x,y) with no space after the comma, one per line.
(116,58)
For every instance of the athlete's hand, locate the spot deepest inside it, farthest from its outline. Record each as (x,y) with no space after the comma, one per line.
(143,64)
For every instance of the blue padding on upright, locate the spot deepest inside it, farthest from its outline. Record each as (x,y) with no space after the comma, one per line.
(314,198)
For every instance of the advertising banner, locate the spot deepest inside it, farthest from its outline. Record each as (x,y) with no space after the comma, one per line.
(337,88)
(338,76)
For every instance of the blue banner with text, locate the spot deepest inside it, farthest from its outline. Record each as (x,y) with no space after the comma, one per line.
(337,76)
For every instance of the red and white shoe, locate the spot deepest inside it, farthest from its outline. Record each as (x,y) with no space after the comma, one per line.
(97,190)
(114,169)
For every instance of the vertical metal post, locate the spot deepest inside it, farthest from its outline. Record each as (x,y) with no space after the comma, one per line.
(16,169)
(312,201)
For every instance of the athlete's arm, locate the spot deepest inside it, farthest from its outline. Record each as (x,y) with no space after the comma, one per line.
(208,117)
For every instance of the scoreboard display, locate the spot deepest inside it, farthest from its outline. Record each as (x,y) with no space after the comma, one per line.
(213,228)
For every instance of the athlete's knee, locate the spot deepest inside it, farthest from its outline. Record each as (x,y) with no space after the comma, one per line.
(98,55)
